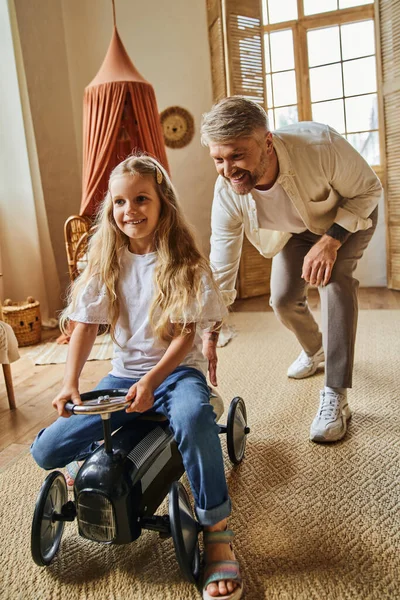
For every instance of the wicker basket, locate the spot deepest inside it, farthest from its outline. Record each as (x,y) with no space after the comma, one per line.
(24,318)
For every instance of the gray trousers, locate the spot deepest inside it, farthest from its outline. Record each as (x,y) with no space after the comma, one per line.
(339,303)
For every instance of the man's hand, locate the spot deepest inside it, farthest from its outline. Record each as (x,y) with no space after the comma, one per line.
(210,340)
(67,393)
(142,394)
(318,262)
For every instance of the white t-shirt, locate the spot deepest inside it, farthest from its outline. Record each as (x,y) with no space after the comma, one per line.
(138,351)
(276,211)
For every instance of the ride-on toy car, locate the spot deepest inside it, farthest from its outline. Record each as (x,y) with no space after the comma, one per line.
(120,486)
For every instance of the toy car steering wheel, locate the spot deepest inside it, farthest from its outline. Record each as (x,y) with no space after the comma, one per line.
(99,402)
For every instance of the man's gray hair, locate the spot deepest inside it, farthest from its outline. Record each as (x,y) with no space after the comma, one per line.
(232,118)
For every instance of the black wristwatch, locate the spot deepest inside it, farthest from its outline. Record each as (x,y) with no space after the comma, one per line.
(337,232)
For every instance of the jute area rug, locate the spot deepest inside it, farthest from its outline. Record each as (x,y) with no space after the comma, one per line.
(312,522)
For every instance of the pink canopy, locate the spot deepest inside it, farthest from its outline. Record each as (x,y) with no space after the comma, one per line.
(120,115)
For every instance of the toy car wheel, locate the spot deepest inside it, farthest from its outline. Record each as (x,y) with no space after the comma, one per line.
(46,532)
(184,531)
(236,430)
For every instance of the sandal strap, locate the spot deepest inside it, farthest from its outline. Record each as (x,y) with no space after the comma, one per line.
(72,468)
(218,537)
(222,570)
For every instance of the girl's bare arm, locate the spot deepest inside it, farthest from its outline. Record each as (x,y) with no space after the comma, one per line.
(80,345)
(142,391)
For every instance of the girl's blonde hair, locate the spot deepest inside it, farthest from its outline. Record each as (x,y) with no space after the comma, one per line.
(180,264)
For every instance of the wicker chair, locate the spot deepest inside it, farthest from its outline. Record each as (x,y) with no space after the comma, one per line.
(76,230)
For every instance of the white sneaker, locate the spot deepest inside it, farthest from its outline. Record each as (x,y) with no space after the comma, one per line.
(305,365)
(330,422)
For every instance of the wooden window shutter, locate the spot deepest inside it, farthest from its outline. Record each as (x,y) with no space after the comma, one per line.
(237,68)
(236,48)
(217,51)
(245,49)
(389,27)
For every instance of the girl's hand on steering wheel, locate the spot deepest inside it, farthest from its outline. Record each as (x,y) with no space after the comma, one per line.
(67,393)
(142,395)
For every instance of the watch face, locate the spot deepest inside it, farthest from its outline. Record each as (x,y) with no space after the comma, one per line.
(178,126)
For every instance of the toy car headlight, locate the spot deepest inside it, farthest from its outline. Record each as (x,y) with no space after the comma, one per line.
(96,517)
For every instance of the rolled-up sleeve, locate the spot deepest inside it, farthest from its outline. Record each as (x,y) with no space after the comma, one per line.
(226,242)
(356,182)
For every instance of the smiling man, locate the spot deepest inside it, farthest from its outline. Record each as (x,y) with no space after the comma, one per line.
(306,197)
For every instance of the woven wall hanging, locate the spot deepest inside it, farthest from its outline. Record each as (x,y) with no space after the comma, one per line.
(178,126)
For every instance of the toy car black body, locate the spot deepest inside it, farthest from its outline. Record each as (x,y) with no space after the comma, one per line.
(121,484)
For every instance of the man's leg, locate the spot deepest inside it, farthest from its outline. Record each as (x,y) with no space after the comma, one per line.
(339,309)
(289,302)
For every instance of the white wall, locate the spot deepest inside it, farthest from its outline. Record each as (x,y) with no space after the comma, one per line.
(41,32)
(371,270)
(26,257)
(168,44)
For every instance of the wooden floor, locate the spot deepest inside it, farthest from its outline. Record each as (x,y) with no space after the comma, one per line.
(36,386)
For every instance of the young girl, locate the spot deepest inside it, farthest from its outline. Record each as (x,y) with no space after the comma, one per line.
(147,280)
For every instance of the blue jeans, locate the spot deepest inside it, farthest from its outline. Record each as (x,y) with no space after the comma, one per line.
(183,398)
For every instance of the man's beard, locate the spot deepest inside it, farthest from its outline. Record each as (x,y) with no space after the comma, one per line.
(251,178)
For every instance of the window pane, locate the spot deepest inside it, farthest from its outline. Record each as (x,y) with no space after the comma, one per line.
(349,3)
(282,50)
(270,101)
(331,113)
(323,46)
(271,119)
(282,11)
(284,88)
(326,83)
(358,39)
(367,144)
(267,54)
(311,7)
(359,76)
(285,116)
(361,113)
